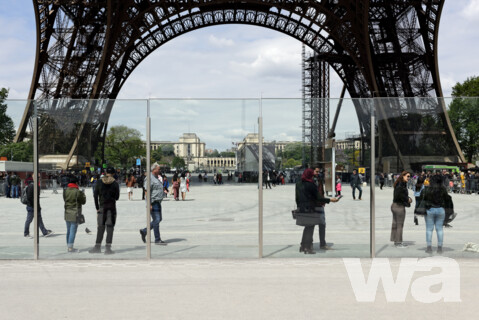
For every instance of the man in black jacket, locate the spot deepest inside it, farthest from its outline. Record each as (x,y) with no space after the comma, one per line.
(356,184)
(30,202)
(107,192)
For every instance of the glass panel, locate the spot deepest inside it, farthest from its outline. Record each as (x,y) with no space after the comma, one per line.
(348,220)
(16,160)
(111,134)
(211,141)
(413,135)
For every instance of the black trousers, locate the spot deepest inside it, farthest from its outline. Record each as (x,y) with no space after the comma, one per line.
(106,220)
(322,235)
(307,240)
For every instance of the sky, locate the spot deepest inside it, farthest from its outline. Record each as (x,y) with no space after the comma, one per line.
(225,62)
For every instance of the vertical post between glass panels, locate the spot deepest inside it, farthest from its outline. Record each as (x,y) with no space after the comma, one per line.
(35,184)
(260,180)
(372,218)
(148,179)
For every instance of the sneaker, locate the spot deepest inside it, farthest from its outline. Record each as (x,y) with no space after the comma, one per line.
(143,236)
(326,247)
(28,236)
(161,243)
(49,233)
(401,245)
(439,250)
(72,250)
(428,249)
(108,250)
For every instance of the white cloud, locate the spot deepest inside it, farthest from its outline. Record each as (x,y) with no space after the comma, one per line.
(471,11)
(220,42)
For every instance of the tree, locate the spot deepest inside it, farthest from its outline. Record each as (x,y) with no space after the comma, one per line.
(178,163)
(464,116)
(167,150)
(7,129)
(156,155)
(214,154)
(227,154)
(122,146)
(21,151)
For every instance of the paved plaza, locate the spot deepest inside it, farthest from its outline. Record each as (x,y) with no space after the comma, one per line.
(222,222)
(210,267)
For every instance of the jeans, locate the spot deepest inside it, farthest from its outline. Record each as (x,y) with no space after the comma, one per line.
(435,218)
(156,219)
(71,233)
(29,220)
(360,191)
(15,191)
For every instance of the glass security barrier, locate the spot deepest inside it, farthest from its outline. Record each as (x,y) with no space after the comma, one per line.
(16,229)
(207,150)
(288,149)
(216,210)
(84,144)
(422,143)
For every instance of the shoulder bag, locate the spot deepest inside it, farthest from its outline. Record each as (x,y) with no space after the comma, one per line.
(80,216)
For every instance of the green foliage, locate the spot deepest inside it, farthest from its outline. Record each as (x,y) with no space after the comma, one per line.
(178,163)
(214,154)
(122,146)
(21,151)
(167,150)
(156,155)
(469,88)
(464,116)
(227,154)
(293,151)
(291,163)
(7,129)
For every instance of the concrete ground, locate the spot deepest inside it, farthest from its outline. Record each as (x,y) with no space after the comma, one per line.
(210,267)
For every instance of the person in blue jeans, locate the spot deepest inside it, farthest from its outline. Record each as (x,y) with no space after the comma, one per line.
(436,198)
(74,199)
(156,196)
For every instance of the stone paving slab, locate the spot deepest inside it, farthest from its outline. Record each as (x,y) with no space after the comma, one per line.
(222,222)
(214,289)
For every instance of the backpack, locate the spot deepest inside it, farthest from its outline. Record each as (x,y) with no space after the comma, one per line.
(23,198)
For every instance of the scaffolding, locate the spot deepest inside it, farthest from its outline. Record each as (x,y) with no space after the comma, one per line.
(315,87)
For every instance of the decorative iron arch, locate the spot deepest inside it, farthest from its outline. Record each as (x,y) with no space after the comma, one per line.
(87,49)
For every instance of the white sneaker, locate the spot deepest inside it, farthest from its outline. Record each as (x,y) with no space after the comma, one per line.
(401,245)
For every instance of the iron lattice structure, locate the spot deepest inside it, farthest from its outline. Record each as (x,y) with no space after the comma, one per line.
(316,94)
(87,49)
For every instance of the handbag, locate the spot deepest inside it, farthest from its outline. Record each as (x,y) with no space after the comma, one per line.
(80,216)
(421,209)
(308,219)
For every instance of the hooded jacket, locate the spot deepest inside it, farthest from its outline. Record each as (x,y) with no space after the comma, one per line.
(98,193)
(74,199)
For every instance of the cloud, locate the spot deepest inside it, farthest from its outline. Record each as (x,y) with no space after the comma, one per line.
(471,11)
(220,42)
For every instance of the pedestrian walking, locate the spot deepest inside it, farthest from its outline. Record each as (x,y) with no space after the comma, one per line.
(156,197)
